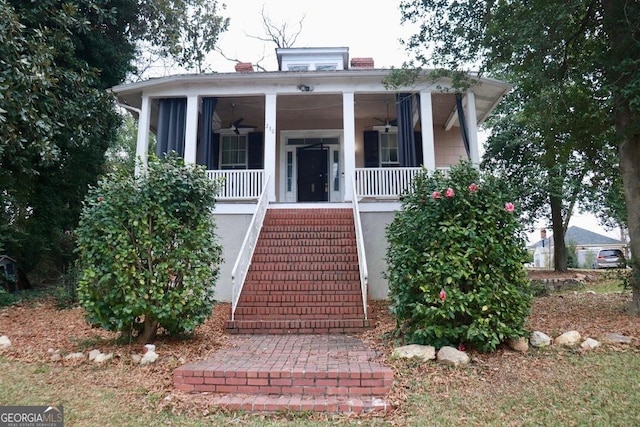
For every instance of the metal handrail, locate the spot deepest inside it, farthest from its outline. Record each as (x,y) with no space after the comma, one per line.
(243,261)
(362,258)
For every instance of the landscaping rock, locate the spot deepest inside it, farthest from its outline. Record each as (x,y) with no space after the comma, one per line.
(101,358)
(148,347)
(615,338)
(539,339)
(452,356)
(518,344)
(424,352)
(136,358)
(569,339)
(55,357)
(93,354)
(5,342)
(74,356)
(149,357)
(589,344)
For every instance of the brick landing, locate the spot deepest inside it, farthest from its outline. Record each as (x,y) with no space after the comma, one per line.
(329,373)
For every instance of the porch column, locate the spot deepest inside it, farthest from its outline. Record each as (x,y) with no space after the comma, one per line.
(472,128)
(270,144)
(191,131)
(349,126)
(142,144)
(428,141)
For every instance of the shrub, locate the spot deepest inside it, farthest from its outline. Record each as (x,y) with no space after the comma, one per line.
(148,254)
(455,262)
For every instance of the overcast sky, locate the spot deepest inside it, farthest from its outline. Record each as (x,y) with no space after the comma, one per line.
(367,28)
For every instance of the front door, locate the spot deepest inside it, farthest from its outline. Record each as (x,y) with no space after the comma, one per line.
(313,185)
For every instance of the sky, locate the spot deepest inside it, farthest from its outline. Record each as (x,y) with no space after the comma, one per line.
(368,29)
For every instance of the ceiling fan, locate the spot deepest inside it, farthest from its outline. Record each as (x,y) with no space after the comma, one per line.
(236,125)
(388,124)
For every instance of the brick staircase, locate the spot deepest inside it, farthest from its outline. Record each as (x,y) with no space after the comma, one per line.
(304,276)
(294,345)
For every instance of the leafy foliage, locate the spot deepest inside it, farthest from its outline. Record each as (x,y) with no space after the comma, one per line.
(148,255)
(455,262)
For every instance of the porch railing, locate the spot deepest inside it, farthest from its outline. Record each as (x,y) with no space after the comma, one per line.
(362,258)
(244,184)
(243,261)
(385,182)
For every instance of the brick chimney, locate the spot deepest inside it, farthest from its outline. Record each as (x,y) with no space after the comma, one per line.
(361,63)
(244,67)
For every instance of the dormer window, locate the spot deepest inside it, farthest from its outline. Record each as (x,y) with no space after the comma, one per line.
(298,68)
(326,67)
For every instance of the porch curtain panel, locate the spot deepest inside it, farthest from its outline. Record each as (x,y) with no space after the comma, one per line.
(207,152)
(172,117)
(406,139)
(462,119)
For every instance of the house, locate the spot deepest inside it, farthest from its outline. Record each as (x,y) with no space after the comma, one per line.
(322,135)
(586,243)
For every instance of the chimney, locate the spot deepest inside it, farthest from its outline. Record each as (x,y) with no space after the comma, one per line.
(361,63)
(244,67)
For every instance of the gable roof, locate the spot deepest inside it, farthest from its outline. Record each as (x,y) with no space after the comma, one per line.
(582,237)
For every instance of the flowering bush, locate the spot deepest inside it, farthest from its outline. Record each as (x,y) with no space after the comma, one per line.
(455,263)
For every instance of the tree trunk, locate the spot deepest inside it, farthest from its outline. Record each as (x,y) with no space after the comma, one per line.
(557,224)
(149,331)
(630,170)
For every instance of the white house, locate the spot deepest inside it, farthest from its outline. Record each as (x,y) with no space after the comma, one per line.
(323,131)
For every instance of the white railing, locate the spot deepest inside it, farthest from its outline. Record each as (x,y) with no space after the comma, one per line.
(238,184)
(386,182)
(362,258)
(383,182)
(243,261)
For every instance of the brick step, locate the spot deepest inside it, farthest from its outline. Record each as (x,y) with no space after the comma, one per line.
(303,278)
(323,227)
(282,249)
(309,235)
(294,243)
(304,266)
(267,257)
(290,298)
(300,287)
(300,403)
(292,326)
(273,312)
(309,213)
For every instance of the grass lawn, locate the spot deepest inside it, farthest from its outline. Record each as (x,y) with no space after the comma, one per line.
(552,386)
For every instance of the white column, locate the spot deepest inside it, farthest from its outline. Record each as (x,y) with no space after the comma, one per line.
(349,150)
(472,128)
(142,144)
(428,140)
(191,131)
(270,144)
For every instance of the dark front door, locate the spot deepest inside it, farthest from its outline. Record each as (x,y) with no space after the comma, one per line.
(312,174)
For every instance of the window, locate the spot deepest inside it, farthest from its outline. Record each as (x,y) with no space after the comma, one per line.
(326,67)
(233,152)
(298,68)
(389,149)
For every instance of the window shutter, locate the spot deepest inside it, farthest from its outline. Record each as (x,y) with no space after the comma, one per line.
(255,147)
(215,151)
(417,136)
(371,150)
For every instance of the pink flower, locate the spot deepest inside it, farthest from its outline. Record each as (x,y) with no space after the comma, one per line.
(443,295)
(509,207)
(435,195)
(473,187)
(449,193)
(461,347)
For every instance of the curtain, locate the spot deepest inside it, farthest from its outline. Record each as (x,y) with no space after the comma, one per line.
(463,124)
(406,141)
(172,117)
(205,154)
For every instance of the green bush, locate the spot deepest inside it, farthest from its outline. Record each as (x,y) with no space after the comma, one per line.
(148,253)
(455,262)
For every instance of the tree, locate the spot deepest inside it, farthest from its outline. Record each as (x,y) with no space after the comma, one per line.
(148,254)
(598,38)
